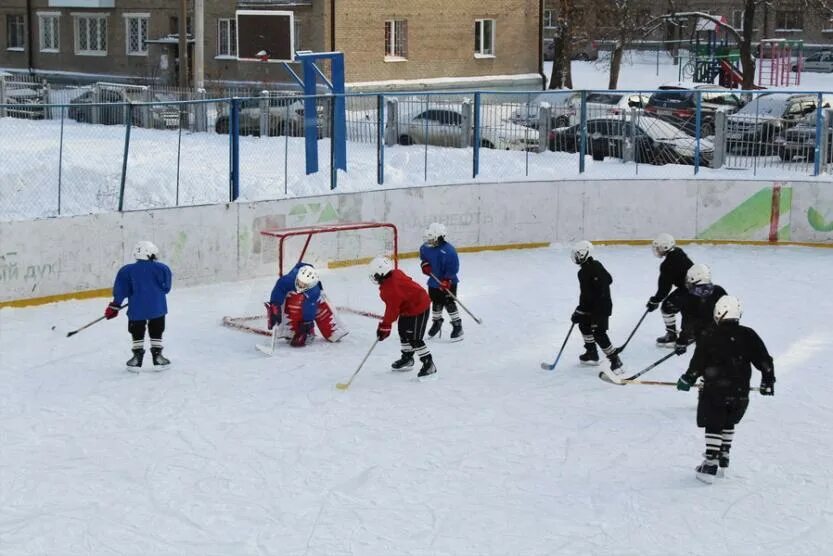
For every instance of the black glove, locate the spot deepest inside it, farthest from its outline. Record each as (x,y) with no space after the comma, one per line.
(580,317)
(768,385)
(652,305)
(685,382)
(679,348)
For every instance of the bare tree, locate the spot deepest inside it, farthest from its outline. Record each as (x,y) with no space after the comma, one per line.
(622,24)
(562,76)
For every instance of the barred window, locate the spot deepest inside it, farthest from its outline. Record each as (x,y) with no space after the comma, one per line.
(549,19)
(91,35)
(396,38)
(49,34)
(15,32)
(789,20)
(227,37)
(484,37)
(137,34)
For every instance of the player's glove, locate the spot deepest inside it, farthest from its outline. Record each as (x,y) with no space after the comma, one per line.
(273,314)
(383,331)
(112,311)
(445,284)
(680,348)
(652,305)
(580,317)
(426,269)
(768,385)
(685,382)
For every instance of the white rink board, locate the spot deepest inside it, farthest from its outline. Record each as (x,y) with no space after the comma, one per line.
(213,243)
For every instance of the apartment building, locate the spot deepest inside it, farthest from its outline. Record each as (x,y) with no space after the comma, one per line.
(387,43)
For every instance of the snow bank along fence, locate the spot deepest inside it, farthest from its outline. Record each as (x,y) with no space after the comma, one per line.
(98,153)
(53,259)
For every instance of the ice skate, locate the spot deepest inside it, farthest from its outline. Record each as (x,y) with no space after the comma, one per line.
(707,471)
(436,326)
(428,370)
(456,331)
(590,357)
(616,372)
(134,365)
(160,362)
(668,340)
(404,363)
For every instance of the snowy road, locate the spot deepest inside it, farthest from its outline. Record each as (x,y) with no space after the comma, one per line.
(230,452)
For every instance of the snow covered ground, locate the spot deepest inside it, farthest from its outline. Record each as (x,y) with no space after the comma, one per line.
(231,452)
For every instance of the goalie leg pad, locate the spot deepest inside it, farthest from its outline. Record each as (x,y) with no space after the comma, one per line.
(328,322)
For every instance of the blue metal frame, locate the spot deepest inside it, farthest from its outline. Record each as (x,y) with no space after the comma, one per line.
(698,120)
(476,140)
(128,124)
(819,137)
(234,161)
(380,139)
(582,149)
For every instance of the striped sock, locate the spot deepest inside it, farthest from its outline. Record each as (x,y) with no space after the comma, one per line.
(670,321)
(726,445)
(713,443)
(138,344)
(406,347)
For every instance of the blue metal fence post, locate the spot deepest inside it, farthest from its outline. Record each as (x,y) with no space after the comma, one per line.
(128,124)
(234,150)
(380,139)
(817,150)
(698,120)
(476,141)
(61,157)
(582,148)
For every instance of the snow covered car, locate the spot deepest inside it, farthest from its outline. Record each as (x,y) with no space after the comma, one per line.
(799,141)
(612,103)
(652,141)
(676,103)
(564,105)
(754,128)
(818,62)
(442,125)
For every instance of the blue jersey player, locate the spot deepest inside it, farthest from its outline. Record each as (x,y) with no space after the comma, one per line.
(440,263)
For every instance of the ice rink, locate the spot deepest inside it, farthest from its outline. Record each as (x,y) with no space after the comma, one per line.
(232,452)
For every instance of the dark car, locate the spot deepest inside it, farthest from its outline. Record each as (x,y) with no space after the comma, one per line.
(754,128)
(676,103)
(85,109)
(286,116)
(799,141)
(652,140)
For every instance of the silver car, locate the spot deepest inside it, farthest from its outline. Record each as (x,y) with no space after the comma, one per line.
(818,62)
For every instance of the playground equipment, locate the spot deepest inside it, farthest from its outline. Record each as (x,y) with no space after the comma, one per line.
(777,58)
(715,53)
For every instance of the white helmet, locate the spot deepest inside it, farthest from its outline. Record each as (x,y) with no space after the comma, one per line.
(698,274)
(379,268)
(727,308)
(306,278)
(433,233)
(581,251)
(145,251)
(662,244)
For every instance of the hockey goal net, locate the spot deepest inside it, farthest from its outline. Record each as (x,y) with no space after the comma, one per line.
(323,246)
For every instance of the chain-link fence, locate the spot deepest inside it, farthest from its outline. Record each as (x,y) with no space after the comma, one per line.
(116,148)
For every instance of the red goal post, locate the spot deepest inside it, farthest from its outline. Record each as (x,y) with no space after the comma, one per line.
(282,234)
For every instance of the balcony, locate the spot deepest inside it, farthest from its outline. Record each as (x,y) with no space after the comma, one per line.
(82,3)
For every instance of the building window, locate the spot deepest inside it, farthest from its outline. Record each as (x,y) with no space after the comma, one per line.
(15,32)
(549,19)
(136,27)
(48,29)
(396,39)
(227,38)
(484,37)
(91,35)
(297,31)
(788,20)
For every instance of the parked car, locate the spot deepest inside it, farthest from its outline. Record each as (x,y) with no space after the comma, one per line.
(753,129)
(613,103)
(799,141)
(819,62)
(159,116)
(442,125)
(652,140)
(585,51)
(676,103)
(286,115)
(564,109)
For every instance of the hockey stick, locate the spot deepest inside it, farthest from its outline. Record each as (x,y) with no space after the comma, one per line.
(622,382)
(346,385)
(621,348)
(546,366)
(89,324)
(270,349)
(456,300)
(699,385)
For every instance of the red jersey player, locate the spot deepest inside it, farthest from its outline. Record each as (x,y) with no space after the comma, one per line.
(409,302)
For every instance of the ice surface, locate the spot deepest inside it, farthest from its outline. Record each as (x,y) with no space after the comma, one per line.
(231,452)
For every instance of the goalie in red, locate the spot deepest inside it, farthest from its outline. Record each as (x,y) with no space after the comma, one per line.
(298,296)
(408,302)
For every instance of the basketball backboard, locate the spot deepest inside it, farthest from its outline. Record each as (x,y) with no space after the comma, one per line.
(265,36)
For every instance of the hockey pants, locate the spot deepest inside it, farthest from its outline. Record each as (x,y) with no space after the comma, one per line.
(155,328)
(326,319)
(411,332)
(441,300)
(596,333)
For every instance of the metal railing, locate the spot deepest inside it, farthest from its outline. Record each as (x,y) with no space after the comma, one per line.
(90,155)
